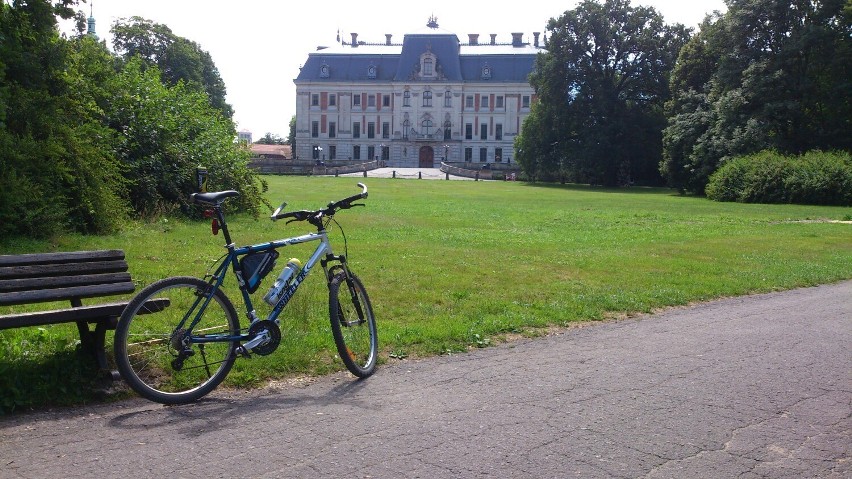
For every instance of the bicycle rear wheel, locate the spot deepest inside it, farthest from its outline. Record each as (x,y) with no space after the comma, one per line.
(160,360)
(353,325)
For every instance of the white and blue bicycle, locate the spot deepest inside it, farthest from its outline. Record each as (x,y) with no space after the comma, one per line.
(180,336)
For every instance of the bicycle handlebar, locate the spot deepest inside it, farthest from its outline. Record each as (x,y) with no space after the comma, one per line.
(330,210)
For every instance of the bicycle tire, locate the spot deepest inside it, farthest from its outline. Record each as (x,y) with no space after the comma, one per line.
(146,347)
(354,334)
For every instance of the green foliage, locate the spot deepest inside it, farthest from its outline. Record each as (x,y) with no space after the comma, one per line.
(769,74)
(178,59)
(815,178)
(55,151)
(603,81)
(291,136)
(167,133)
(85,137)
(271,139)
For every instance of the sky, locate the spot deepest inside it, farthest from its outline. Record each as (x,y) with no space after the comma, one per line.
(259,45)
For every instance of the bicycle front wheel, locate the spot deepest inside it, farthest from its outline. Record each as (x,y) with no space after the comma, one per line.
(156,353)
(353,325)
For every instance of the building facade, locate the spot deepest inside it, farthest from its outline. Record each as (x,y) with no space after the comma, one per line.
(415,104)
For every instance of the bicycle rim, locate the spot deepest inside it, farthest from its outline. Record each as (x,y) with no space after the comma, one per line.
(354,331)
(155,352)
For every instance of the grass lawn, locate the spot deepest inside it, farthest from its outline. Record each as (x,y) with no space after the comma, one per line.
(451,265)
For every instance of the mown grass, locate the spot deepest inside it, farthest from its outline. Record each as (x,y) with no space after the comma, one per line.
(455,265)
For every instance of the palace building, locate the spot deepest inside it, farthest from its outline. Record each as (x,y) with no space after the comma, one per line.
(415,104)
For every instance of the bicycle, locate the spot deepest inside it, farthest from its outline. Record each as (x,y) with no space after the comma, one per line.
(179,337)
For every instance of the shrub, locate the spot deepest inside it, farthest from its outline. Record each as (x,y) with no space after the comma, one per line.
(816,178)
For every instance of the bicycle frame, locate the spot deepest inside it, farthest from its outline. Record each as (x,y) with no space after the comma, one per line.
(322,255)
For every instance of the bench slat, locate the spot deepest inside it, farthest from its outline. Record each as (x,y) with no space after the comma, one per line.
(62,257)
(63,269)
(92,313)
(11,285)
(43,295)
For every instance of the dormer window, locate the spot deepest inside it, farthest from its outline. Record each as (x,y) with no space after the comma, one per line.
(324,71)
(371,72)
(428,61)
(486,72)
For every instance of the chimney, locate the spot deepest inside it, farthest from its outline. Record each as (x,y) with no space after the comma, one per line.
(388,38)
(517,39)
(493,38)
(354,40)
(536,34)
(474,38)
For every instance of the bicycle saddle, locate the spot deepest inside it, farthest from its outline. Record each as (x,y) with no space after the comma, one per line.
(213,198)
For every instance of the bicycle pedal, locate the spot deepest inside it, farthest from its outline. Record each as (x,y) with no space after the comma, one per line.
(241,351)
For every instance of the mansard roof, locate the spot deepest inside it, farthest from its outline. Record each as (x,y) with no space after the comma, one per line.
(456,62)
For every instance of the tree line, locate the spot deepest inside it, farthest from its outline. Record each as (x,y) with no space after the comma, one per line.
(624,98)
(89,137)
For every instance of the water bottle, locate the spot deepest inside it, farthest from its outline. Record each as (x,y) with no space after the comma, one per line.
(293,266)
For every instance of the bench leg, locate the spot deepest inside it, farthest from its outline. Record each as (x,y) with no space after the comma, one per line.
(95,343)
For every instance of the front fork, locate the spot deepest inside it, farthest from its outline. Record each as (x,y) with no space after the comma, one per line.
(350,283)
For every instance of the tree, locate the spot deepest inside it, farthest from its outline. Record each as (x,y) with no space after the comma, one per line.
(55,152)
(167,132)
(291,136)
(271,139)
(604,81)
(769,74)
(177,58)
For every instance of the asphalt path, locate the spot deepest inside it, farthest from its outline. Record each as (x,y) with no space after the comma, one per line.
(752,387)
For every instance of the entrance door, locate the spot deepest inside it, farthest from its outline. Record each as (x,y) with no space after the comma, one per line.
(427,157)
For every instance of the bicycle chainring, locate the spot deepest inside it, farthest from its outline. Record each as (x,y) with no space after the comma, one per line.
(274,336)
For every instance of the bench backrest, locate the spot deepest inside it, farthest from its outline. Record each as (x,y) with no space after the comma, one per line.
(41,277)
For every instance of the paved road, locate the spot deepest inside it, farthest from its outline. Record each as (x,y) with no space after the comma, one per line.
(747,387)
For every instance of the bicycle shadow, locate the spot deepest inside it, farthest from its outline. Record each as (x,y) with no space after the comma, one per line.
(214,413)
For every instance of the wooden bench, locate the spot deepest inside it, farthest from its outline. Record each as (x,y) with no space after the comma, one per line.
(72,276)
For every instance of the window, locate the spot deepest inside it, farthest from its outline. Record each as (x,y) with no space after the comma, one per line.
(385,130)
(316,151)
(371,130)
(332,99)
(498,154)
(332,130)
(468,131)
(371,101)
(447,132)
(356,100)
(315,99)
(371,72)
(483,131)
(468,102)
(483,103)
(356,152)
(448,98)
(332,152)
(525,101)
(498,102)
(427,67)
(406,126)
(314,129)
(356,130)
(406,98)
(427,98)
(468,154)
(386,100)
(371,153)
(483,155)
(385,153)
(498,132)
(426,124)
